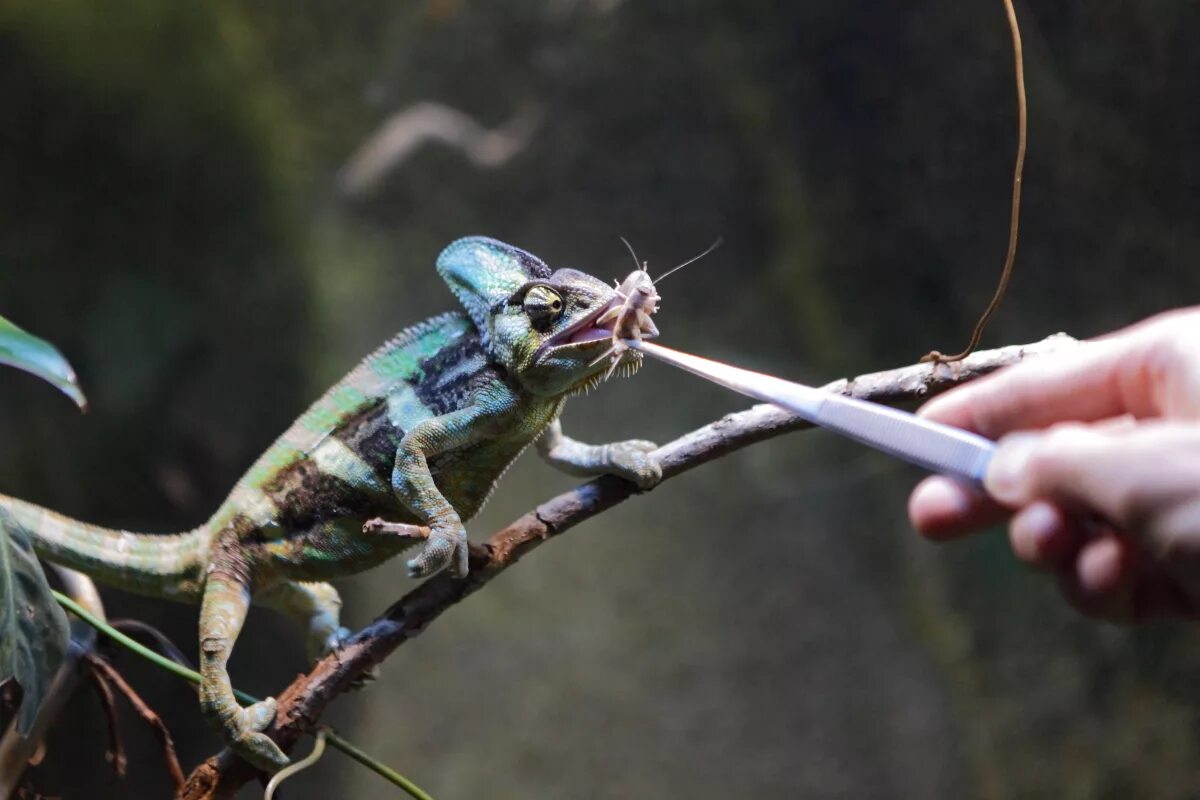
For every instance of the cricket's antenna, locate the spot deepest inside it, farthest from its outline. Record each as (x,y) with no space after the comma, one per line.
(692,260)
(636,264)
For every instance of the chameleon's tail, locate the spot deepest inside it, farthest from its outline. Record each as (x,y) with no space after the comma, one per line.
(161,565)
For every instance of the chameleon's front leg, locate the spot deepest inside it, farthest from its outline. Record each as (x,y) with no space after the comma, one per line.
(414,486)
(630,459)
(222,612)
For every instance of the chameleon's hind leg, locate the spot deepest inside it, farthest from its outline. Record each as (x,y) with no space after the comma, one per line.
(222,612)
(316,606)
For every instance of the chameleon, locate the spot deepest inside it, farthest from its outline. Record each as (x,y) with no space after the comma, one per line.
(418,433)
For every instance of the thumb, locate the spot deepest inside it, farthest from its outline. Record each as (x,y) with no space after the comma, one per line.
(1143,479)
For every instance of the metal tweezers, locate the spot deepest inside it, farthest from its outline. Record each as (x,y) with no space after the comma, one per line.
(932,445)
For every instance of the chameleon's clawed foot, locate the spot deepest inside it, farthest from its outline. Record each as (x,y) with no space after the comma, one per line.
(446,547)
(243,731)
(333,642)
(324,641)
(634,461)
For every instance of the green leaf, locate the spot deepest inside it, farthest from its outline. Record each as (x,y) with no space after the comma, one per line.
(33,628)
(38,357)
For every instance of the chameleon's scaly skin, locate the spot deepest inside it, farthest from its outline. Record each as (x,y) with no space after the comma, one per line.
(418,433)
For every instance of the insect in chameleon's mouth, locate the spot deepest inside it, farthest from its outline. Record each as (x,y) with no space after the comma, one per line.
(625,316)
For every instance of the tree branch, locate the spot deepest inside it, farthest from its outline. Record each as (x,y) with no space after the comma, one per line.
(303,702)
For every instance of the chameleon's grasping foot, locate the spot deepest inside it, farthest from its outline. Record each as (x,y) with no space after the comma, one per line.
(336,641)
(634,461)
(243,732)
(446,547)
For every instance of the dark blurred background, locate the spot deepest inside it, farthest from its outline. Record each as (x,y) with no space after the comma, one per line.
(191,207)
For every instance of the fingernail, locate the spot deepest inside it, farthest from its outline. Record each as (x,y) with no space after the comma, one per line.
(1037,534)
(947,495)
(1005,479)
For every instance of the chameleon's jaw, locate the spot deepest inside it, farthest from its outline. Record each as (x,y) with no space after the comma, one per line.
(587,332)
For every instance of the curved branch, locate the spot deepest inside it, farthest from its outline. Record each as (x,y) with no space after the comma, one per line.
(303,702)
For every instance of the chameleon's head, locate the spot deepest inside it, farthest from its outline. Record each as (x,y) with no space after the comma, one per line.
(542,325)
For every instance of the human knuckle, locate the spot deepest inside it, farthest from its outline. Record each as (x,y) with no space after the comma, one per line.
(990,420)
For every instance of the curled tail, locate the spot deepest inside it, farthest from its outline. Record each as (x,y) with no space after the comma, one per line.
(162,565)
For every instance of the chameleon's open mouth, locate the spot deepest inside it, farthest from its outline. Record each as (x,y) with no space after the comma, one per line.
(594,333)
(585,332)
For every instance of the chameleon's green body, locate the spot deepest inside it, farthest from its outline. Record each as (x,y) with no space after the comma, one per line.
(418,433)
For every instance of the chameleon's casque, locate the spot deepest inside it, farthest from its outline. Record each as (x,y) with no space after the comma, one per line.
(419,433)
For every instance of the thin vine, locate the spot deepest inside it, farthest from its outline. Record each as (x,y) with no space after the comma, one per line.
(1015,218)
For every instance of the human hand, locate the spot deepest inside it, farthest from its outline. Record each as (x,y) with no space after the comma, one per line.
(1098,466)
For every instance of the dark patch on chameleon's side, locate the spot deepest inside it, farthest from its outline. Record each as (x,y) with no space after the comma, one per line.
(238,534)
(245,531)
(305,496)
(440,394)
(373,437)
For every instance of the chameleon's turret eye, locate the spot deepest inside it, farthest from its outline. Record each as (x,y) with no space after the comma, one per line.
(542,305)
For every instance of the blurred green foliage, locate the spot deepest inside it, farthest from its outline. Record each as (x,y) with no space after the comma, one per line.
(766,626)
(33,629)
(24,351)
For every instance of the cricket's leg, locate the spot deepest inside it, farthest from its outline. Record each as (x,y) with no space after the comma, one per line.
(222,612)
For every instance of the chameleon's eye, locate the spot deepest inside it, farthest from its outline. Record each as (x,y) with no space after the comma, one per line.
(543,305)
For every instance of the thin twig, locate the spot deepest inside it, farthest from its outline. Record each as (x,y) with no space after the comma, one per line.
(303,702)
(1015,217)
(116,748)
(102,668)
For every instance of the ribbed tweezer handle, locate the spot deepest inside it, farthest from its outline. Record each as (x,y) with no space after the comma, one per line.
(937,447)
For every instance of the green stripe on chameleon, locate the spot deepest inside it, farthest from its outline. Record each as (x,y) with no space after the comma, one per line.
(347,398)
(325,414)
(278,457)
(402,362)
(395,365)
(253,503)
(367,381)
